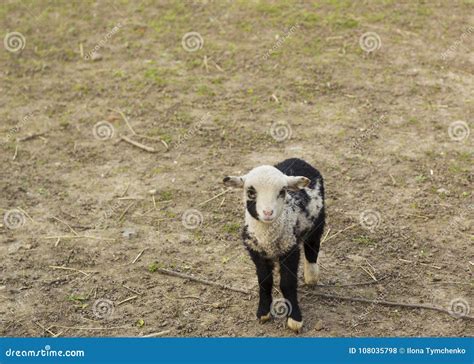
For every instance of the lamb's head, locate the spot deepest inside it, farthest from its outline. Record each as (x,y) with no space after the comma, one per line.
(265,190)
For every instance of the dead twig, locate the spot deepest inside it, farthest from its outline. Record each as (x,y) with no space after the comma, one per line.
(201,280)
(124,117)
(340,231)
(77,237)
(16,152)
(155,139)
(367,283)
(91,328)
(157,334)
(125,211)
(65,223)
(127,300)
(26,214)
(213,198)
(132,290)
(138,256)
(388,303)
(137,144)
(87,274)
(47,330)
(32,136)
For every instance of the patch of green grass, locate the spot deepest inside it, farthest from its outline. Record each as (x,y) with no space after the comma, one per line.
(364,239)
(153,267)
(218,80)
(420,178)
(165,195)
(465,156)
(455,168)
(76,298)
(167,138)
(231,227)
(119,73)
(204,90)
(157,75)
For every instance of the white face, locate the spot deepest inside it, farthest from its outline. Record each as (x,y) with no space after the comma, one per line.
(265,190)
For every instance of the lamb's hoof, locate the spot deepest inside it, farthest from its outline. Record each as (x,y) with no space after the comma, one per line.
(311,273)
(265,318)
(295,326)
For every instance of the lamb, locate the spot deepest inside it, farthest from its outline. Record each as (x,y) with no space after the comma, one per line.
(284,210)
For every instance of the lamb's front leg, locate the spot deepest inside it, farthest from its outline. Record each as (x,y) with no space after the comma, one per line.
(289,286)
(265,281)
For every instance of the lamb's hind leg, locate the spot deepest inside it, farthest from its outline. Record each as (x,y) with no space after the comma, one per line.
(289,287)
(265,282)
(311,250)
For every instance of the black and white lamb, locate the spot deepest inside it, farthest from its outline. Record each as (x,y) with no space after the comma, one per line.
(284,210)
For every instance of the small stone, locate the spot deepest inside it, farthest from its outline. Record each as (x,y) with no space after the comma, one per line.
(184,239)
(319,325)
(129,233)
(96,56)
(444,191)
(437,279)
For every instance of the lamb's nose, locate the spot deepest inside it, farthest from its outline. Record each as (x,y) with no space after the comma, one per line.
(268,212)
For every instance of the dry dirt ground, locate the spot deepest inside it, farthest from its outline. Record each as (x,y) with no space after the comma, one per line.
(388,128)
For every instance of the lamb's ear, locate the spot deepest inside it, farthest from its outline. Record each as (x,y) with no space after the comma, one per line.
(297,183)
(234,181)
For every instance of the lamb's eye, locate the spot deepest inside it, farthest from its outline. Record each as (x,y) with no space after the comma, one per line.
(282,193)
(251,193)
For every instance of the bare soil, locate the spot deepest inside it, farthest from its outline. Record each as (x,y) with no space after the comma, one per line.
(374,123)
